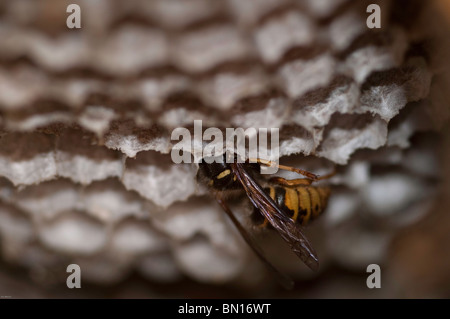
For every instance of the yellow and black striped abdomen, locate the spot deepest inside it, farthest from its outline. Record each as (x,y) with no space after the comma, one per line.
(303,203)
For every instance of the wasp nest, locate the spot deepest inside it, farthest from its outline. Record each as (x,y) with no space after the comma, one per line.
(86,117)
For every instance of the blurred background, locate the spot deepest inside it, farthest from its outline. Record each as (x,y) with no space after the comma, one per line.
(86,115)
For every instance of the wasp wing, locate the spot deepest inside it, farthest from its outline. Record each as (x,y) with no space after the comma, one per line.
(290,231)
(283,279)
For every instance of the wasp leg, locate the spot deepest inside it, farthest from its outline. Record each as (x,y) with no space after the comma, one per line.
(264,224)
(300,181)
(290,182)
(328,175)
(286,168)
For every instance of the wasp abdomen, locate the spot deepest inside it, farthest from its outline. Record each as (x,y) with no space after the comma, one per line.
(303,203)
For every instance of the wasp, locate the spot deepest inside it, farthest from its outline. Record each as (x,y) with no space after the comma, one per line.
(285,205)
